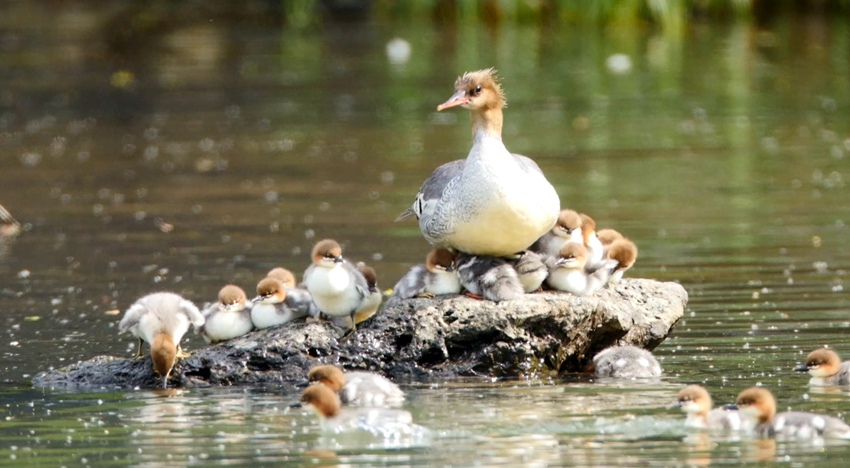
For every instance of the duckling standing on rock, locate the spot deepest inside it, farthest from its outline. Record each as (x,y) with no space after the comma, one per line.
(161,319)
(591,242)
(568,272)
(435,278)
(826,368)
(607,237)
(228,318)
(274,306)
(284,276)
(358,388)
(486,277)
(338,289)
(567,229)
(758,408)
(624,252)
(531,270)
(625,362)
(493,202)
(372,302)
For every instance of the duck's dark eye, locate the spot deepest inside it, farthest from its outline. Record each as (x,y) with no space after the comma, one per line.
(476,91)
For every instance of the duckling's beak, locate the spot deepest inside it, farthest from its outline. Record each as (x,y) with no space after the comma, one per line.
(296,405)
(802,368)
(338,259)
(165,381)
(458,99)
(302,384)
(675,404)
(257,299)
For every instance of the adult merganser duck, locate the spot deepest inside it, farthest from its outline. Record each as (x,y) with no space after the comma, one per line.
(274,306)
(370,303)
(337,287)
(569,271)
(490,278)
(531,269)
(228,318)
(434,278)
(696,402)
(567,229)
(826,368)
(626,362)
(358,388)
(284,276)
(161,319)
(493,202)
(758,407)
(624,252)
(394,427)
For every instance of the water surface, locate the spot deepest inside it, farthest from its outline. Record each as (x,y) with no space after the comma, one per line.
(207,152)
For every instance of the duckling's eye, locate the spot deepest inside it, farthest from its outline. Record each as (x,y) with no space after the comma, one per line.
(475,91)
(685,399)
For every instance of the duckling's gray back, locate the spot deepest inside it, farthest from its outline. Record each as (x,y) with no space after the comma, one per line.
(626,362)
(492,278)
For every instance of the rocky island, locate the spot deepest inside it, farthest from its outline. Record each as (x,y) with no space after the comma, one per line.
(419,340)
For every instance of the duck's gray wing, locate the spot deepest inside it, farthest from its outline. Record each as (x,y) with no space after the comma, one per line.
(132,316)
(432,190)
(299,301)
(360,282)
(600,277)
(196,318)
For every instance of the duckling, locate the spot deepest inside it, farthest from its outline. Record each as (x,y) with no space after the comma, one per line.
(696,402)
(758,408)
(338,289)
(274,306)
(435,278)
(490,278)
(358,388)
(568,272)
(624,252)
(228,318)
(626,362)
(531,269)
(567,229)
(161,319)
(826,368)
(372,302)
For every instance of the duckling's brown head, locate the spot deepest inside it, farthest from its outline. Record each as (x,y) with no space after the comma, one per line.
(440,259)
(327,252)
(331,376)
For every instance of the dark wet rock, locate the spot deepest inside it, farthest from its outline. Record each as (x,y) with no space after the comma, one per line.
(421,340)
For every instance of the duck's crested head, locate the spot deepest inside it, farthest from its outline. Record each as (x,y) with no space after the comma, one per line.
(822,363)
(231,297)
(572,255)
(695,399)
(328,375)
(477,90)
(440,259)
(163,355)
(369,274)
(608,236)
(757,403)
(568,220)
(324,400)
(283,275)
(624,252)
(270,290)
(327,252)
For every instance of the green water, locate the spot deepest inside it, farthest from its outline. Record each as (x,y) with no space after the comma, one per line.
(197,153)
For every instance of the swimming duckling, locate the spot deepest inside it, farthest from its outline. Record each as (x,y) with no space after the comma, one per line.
(826,368)
(758,408)
(357,388)
(626,362)
(696,402)
(161,319)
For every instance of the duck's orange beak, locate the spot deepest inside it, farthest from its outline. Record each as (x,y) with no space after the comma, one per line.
(458,99)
